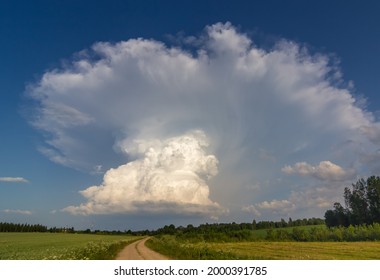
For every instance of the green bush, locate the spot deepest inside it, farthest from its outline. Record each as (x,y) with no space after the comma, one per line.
(169,246)
(300,234)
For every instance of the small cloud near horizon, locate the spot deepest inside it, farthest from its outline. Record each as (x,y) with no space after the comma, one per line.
(13,179)
(17,211)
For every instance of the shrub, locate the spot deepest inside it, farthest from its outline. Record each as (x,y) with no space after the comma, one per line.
(300,234)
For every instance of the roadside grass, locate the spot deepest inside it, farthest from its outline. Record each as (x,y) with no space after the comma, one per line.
(61,246)
(168,246)
(267,250)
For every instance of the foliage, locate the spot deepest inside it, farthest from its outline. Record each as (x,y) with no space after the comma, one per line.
(11,227)
(325,234)
(231,231)
(312,233)
(362,205)
(170,246)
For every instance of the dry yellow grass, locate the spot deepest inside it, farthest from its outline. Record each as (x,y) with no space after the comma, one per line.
(301,250)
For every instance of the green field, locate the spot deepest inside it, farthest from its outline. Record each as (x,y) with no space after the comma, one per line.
(60,246)
(267,250)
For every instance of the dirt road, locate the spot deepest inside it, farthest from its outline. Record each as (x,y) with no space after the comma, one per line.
(138,251)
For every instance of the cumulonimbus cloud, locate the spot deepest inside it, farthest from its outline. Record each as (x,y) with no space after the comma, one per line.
(166,175)
(260,109)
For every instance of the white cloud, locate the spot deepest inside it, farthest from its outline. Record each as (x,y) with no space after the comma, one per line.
(21,212)
(260,109)
(251,209)
(321,197)
(167,176)
(13,180)
(275,204)
(326,170)
(303,203)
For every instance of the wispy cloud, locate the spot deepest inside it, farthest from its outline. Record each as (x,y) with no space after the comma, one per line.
(299,203)
(21,212)
(251,209)
(13,180)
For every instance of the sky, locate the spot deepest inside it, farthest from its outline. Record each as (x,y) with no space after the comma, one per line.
(139,114)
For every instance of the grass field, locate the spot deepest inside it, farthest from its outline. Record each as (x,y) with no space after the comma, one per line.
(266,250)
(60,246)
(301,250)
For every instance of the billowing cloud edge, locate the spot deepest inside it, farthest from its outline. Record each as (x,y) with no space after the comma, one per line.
(285,80)
(167,177)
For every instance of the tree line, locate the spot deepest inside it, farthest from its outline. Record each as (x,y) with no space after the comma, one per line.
(362,205)
(321,234)
(11,227)
(229,227)
(229,232)
(304,230)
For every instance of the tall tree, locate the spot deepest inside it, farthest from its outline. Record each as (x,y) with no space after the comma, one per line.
(373,197)
(356,201)
(337,217)
(362,204)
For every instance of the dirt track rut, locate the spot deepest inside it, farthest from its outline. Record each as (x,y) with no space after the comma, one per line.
(138,251)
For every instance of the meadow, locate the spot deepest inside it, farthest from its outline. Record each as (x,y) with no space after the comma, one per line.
(61,246)
(266,250)
(301,250)
(274,244)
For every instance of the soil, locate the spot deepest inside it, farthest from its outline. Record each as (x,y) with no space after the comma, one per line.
(138,251)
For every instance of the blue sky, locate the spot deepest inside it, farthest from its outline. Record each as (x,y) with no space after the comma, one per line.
(136,114)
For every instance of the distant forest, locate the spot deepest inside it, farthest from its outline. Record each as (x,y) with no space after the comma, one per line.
(170,229)
(12,227)
(225,227)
